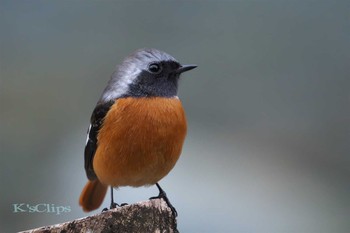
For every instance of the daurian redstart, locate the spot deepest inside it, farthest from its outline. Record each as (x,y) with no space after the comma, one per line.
(137,128)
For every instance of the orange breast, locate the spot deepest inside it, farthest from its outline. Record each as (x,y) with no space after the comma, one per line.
(140,141)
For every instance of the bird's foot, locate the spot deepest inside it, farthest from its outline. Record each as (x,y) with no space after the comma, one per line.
(113,206)
(162,194)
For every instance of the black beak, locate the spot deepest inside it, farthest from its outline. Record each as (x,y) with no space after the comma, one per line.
(185,68)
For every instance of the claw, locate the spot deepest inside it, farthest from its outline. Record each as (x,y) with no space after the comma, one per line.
(162,194)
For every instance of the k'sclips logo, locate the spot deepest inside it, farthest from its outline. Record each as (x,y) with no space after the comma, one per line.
(40,208)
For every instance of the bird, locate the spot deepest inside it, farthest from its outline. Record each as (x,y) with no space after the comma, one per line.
(137,128)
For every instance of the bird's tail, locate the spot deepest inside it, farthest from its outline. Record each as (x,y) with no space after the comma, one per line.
(92,195)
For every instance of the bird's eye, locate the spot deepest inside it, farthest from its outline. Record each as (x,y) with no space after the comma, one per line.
(155,68)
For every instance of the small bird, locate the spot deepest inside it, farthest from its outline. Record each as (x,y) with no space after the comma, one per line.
(137,128)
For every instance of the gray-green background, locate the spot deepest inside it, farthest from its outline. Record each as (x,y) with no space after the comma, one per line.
(268,108)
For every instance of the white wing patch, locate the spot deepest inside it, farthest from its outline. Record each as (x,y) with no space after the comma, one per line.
(88,134)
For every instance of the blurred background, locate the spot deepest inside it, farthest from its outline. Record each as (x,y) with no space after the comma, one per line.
(268,108)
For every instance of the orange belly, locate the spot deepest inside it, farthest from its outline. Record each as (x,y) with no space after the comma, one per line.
(140,141)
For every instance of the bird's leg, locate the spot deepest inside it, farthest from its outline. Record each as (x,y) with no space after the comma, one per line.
(113,204)
(163,195)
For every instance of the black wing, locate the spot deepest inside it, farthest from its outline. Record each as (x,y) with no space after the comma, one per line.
(96,121)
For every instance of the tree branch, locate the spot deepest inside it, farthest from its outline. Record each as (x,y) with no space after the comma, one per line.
(147,216)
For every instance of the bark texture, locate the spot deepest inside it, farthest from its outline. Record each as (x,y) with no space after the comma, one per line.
(148,216)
